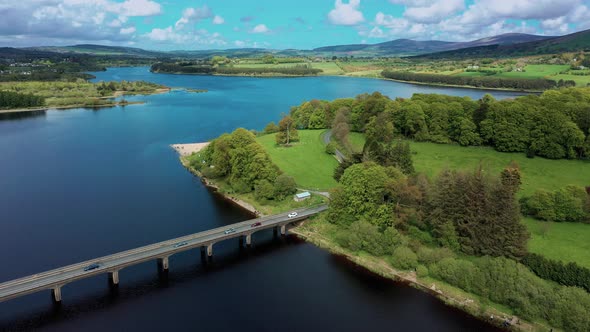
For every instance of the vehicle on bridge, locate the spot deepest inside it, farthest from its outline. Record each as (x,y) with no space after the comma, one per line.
(229,231)
(180,244)
(92,266)
(292,214)
(256,224)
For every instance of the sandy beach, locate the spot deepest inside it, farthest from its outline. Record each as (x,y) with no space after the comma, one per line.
(189,148)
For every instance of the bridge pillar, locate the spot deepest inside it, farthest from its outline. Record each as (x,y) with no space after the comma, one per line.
(283,229)
(275,231)
(114,278)
(248,239)
(163,263)
(56,293)
(210,250)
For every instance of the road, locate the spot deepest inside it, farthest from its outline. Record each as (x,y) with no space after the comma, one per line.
(327,138)
(162,250)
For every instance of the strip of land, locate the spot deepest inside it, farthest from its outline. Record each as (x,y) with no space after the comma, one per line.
(189,148)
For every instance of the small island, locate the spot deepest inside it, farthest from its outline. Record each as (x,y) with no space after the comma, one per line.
(35,96)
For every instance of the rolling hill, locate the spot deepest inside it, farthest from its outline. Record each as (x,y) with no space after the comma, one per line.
(406,47)
(578,41)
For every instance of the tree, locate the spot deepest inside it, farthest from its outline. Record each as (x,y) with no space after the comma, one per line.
(363,193)
(287,132)
(341,129)
(264,190)
(479,211)
(271,128)
(284,186)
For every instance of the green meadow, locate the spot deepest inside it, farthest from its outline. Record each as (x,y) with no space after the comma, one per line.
(569,242)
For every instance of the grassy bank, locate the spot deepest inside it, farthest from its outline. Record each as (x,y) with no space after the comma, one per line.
(247,201)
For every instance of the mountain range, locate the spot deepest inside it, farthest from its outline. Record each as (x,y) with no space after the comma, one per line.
(406,47)
(510,44)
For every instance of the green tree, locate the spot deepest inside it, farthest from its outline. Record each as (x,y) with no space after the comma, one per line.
(284,186)
(287,131)
(271,128)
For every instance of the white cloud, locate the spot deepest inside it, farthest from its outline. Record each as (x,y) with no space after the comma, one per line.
(188,39)
(218,20)
(193,15)
(555,25)
(391,22)
(127,31)
(346,13)
(240,43)
(162,34)
(376,33)
(260,28)
(136,8)
(433,12)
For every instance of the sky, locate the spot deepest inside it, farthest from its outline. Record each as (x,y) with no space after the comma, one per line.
(277,24)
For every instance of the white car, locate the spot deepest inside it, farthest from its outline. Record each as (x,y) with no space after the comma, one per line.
(229,231)
(292,215)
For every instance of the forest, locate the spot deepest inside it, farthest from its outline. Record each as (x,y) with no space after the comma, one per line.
(10,100)
(538,84)
(553,125)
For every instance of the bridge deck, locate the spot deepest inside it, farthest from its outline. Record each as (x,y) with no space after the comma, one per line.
(115,262)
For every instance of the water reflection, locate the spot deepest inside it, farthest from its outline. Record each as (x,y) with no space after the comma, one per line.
(22,115)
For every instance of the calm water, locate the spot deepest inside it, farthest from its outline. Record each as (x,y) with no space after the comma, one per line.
(79,184)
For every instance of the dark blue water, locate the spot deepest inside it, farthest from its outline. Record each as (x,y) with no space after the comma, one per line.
(81,183)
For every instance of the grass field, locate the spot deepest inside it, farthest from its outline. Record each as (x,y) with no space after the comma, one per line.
(431,158)
(559,241)
(329,68)
(306,160)
(568,242)
(536,71)
(471,74)
(580,80)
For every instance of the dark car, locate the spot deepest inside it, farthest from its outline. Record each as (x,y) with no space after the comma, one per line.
(92,266)
(256,224)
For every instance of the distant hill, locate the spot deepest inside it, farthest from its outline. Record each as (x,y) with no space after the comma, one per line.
(100,50)
(579,41)
(405,47)
(510,44)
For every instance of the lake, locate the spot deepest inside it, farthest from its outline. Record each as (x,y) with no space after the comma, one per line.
(79,184)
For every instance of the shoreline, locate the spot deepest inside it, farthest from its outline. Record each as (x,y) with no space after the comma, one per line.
(468,304)
(113,104)
(368,77)
(196,147)
(459,86)
(49,108)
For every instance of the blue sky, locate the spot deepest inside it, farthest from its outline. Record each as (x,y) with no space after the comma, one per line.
(303,24)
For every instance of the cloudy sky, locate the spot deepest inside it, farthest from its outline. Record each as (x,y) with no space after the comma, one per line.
(304,24)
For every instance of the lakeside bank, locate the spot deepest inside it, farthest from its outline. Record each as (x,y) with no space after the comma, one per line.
(187,149)
(347,75)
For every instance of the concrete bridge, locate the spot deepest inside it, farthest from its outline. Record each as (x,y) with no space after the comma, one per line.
(55,279)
